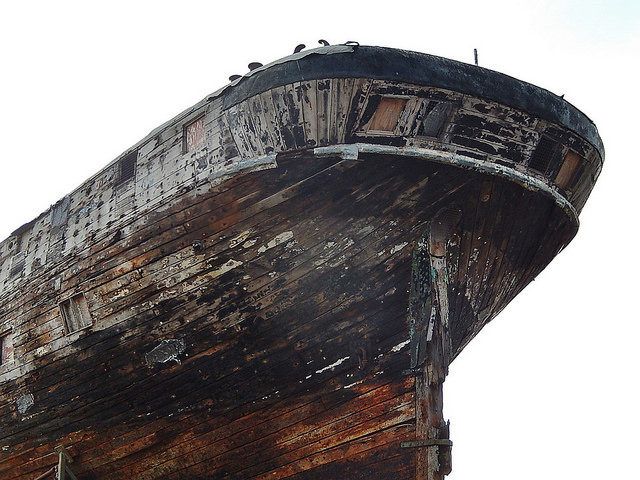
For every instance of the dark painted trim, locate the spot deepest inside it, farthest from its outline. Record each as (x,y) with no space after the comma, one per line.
(421,69)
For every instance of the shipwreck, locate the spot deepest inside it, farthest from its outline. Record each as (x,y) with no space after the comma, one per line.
(273,283)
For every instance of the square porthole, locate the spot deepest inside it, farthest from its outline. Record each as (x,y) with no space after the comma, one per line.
(127,167)
(75,314)
(194,135)
(17,265)
(545,155)
(6,348)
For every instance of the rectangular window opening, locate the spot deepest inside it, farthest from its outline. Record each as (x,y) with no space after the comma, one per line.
(59,213)
(387,114)
(6,348)
(194,135)
(544,155)
(75,313)
(17,265)
(127,167)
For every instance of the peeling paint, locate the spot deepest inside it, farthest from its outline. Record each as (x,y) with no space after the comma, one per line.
(24,403)
(333,365)
(398,247)
(400,346)
(230,265)
(249,243)
(237,240)
(168,350)
(353,384)
(275,241)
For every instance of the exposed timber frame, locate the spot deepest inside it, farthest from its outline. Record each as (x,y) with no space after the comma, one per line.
(431,345)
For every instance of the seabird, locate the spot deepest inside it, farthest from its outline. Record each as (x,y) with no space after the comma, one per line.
(323,42)
(234,77)
(299,48)
(254,65)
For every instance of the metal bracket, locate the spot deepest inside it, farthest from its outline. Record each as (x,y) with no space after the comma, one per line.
(430,442)
(63,471)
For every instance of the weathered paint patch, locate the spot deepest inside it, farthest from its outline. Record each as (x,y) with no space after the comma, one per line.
(275,241)
(400,346)
(237,240)
(230,265)
(24,403)
(398,247)
(353,384)
(333,365)
(168,350)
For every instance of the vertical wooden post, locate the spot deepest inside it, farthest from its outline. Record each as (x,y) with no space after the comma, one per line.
(431,345)
(433,461)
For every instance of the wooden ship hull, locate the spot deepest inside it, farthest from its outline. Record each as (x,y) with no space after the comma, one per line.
(273,284)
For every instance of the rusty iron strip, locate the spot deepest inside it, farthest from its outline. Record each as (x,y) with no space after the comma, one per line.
(63,472)
(429,442)
(352,151)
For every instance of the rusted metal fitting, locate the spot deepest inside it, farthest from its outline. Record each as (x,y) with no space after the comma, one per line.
(429,442)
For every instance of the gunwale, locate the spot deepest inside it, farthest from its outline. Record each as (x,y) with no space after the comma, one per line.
(384,63)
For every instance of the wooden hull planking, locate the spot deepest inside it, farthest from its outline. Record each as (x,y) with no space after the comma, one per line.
(266,308)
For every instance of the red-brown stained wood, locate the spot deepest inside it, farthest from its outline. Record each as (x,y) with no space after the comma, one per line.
(387,114)
(566,174)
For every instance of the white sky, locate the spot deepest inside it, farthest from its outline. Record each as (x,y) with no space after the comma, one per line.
(550,388)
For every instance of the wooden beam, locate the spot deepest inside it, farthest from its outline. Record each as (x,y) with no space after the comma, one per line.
(431,349)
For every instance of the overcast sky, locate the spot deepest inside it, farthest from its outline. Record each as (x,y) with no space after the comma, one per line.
(550,388)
